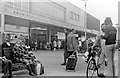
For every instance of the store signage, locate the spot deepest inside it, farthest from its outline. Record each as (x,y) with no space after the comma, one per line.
(14,28)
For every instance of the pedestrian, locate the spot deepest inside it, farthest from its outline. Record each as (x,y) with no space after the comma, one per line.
(65,49)
(99,42)
(6,62)
(80,43)
(55,44)
(110,41)
(36,44)
(84,46)
(59,44)
(72,43)
(51,46)
(89,48)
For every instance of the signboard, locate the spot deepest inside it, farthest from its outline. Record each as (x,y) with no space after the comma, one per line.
(14,28)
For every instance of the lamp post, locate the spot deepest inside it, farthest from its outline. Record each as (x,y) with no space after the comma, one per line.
(85,18)
(117,43)
(117,32)
(65,46)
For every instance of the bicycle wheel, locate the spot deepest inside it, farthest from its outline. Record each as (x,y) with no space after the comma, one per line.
(91,68)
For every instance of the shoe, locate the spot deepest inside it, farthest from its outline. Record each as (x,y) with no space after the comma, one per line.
(97,67)
(101,75)
(32,74)
(63,64)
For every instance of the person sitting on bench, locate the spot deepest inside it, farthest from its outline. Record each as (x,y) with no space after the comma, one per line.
(21,56)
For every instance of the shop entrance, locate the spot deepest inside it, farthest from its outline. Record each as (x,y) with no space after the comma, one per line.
(41,41)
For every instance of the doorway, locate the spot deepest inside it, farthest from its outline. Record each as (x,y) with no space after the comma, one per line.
(41,41)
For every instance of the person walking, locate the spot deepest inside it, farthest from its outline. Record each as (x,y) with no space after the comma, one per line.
(72,43)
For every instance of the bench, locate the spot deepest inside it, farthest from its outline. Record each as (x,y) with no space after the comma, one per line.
(16,67)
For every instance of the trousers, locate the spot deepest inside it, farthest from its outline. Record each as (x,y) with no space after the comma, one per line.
(7,67)
(108,52)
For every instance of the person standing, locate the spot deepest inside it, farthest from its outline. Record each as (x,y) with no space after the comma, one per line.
(72,43)
(36,44)
(99,42)
(110,43)
(80,44)
(55,44)
(51,46)
(59,44)
(65,49)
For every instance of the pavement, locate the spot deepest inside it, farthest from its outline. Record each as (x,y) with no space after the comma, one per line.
(51,61)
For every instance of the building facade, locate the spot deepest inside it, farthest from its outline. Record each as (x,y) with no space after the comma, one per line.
(43,20)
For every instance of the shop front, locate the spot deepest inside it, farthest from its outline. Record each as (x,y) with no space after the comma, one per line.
(16,27)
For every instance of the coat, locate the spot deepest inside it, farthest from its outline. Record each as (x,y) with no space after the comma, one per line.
(72,43)
(5,45)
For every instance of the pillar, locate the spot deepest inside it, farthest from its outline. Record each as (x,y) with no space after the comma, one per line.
(29,32)
(2,31)
(2,24)
(49,34)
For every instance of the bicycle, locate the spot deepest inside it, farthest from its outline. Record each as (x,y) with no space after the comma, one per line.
(93,62)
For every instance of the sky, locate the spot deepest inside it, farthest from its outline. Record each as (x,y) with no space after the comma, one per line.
(100,8)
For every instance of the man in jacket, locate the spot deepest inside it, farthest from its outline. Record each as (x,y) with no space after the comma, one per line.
(72,43)
(110,41)
(6,63)
(109,49)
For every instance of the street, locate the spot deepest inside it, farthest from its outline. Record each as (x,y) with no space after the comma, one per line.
(52,60)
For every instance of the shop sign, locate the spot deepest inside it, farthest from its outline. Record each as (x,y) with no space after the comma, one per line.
(14,28)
